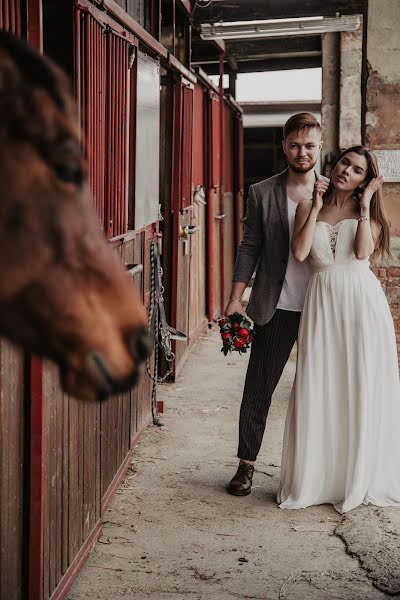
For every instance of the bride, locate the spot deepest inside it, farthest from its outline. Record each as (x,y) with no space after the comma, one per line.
(341,444)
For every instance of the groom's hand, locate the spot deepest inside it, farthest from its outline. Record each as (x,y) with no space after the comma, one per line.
(234,306)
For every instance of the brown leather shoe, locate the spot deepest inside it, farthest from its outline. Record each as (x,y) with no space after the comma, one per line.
(240,485)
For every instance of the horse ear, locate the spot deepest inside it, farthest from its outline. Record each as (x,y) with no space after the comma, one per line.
(37,69)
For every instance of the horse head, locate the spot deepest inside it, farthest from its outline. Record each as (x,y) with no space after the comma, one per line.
(64,293)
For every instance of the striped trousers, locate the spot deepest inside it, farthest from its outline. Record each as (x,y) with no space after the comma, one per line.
(270,352)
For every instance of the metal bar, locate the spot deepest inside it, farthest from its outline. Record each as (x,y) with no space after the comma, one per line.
(95,109)
(95,112)
(12,15)
(118,145)
(102,128)
(89,105)
(6,16)
(210,209)
(221,175)
(134,269)
(105,20)
(34,14)
(108,165)
(115,122)
(186,6)
(132,144)
(124,52)
(115,198)
(120,139)
(174,27)
(231,100)
(175,64)
(122,136)
(116,11)
(18,28)
(125,140)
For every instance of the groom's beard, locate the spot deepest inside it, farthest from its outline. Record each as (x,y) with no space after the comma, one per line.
(302,168)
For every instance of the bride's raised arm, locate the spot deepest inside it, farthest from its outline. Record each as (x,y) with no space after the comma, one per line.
(304,224)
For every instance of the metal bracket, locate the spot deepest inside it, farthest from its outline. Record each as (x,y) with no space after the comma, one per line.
(131,56)
(134,269)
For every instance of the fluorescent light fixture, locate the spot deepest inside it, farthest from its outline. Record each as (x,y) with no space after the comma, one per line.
(253,30)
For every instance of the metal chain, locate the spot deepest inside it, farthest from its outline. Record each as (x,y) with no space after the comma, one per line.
(159,331)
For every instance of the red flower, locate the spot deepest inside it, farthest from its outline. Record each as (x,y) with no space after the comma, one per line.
(236,333)
(239,342)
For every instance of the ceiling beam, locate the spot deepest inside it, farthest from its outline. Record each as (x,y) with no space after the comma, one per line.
(256,49)
(275,64)
(245,10)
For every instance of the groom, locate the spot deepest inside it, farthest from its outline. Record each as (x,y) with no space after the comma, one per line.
(280,284)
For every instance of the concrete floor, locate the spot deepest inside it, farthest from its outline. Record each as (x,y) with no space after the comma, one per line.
(173,533)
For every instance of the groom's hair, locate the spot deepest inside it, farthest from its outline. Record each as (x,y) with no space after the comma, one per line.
(303,120)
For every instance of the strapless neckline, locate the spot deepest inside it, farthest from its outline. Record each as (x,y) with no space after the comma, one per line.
(338,223)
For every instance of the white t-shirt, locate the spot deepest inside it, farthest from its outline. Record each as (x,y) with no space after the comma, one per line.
(297,273)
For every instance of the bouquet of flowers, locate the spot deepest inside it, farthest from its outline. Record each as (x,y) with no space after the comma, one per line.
(236,333)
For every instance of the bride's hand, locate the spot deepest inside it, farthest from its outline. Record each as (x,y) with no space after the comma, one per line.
(320,188)
(369,191)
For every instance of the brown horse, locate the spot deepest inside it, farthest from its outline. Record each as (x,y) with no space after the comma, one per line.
(64,293)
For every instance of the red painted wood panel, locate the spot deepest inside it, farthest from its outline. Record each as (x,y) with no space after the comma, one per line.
(12,467)
(199,133)
(229,149)
(186,151)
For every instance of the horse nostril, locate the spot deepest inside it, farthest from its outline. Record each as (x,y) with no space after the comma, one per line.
(141,345)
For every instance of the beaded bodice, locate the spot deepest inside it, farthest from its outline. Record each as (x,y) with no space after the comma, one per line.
(333,235)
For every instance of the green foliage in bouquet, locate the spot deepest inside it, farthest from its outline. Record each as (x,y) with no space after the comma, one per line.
(237,333)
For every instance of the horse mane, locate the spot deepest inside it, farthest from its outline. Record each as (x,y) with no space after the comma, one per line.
(39,70)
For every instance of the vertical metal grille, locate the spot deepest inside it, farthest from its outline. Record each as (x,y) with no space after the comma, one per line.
(10,16)
(90,76)
(102,78)
(117,51)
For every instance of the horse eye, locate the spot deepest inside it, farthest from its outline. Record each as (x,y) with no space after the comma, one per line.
(66,160)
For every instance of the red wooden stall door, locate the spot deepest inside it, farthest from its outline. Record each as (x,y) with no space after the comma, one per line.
(197,293)
(228,205)
(215,217)
(181,201)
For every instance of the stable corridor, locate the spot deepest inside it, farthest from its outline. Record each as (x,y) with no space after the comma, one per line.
(173,533)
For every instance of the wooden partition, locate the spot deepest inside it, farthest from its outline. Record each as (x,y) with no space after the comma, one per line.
(198,247)
(228,203)
(14,422)
(214,214)
(13,468)
(86,449)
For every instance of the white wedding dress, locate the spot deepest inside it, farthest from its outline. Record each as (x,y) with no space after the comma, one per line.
(342,434)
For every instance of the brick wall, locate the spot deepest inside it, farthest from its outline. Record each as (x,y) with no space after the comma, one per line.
(390,280)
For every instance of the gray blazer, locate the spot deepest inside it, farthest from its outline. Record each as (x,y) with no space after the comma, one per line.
(265,243)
